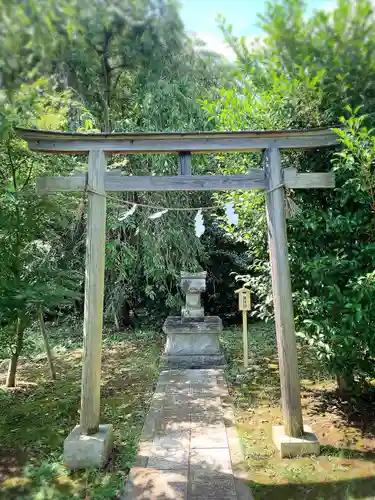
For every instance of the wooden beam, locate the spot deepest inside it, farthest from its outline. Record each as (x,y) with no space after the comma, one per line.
(184,163)
(55,184)
(295,180)
(282,297)
(195,142)
(94,295)
(253,180)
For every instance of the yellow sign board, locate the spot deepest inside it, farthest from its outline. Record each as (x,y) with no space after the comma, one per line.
(244,300)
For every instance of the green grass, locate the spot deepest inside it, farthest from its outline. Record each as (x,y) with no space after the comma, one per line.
(36,417)
(345,470)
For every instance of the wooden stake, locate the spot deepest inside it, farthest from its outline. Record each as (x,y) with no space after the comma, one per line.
(245,346)
(94,294)
(184,163)
(282,296)
(46,345)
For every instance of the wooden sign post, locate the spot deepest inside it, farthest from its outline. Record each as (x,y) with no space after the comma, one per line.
(244,305)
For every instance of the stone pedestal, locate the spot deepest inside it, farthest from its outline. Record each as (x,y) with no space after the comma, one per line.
(192,338)
(82,451)
(290,447)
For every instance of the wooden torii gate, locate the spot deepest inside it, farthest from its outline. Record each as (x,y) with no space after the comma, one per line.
(272,179)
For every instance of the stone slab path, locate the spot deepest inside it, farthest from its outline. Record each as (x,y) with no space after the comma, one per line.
(189,448)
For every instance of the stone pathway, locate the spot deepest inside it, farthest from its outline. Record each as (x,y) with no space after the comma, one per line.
(189,448)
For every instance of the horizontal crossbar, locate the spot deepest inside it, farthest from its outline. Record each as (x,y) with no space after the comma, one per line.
(255,179)
(174,142)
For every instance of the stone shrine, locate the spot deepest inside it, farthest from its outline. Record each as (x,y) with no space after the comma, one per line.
(192,338)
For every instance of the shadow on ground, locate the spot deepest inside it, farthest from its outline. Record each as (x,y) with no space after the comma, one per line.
(356,411)
(345,469)
(354,489)
(36,417)
(197,484)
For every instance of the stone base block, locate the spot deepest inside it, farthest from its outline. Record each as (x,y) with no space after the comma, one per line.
(82,451)
(192,312)
(193,344)
(192,361)
(290,447)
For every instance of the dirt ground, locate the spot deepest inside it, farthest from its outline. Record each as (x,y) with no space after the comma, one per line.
(38,414)
(36,417)
(345,469)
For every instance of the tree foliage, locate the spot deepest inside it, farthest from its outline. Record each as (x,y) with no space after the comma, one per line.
(130,66)
(311,72)
(34,273)
(95,66)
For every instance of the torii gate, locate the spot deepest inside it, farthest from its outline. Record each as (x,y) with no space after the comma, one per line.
(89,443)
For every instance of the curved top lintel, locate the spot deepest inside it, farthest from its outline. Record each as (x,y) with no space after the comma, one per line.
(173,142)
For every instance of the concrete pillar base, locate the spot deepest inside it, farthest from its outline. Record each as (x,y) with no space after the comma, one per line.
(82,451)
(290,447)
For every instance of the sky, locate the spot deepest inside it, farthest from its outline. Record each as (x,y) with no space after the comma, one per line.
(199,16)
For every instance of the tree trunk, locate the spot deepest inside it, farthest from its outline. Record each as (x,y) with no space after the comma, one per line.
(345,384)
(46,345)
(11,377)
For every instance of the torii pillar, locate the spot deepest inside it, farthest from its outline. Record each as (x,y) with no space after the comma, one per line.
(89,444)
(293,438)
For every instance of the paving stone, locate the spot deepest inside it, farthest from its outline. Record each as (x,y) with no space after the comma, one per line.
(177,400)
(150,425)
(170,451)
(174,376)
(171,458)
(175,413)
(212,436)
(147,484)
(211,459)
(143,454)
(182,388)
(205,387)
(185,451)
(206,412)
(203,405)
(173,423)
(200,406)
(206,418)
(203,486)
(208,380)
(204,402)
(171,439)
(206,391)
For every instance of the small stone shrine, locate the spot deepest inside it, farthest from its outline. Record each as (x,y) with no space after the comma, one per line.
(192,338)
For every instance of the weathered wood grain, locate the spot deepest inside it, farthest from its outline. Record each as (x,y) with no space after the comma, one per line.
(185,182)
(184,163)
(253,180)
(245,343)
(282,297)
(295,180)
(94,294)
(55,142)
(63,184)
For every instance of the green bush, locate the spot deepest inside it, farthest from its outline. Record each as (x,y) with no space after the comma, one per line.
(307,73)
(334,273)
